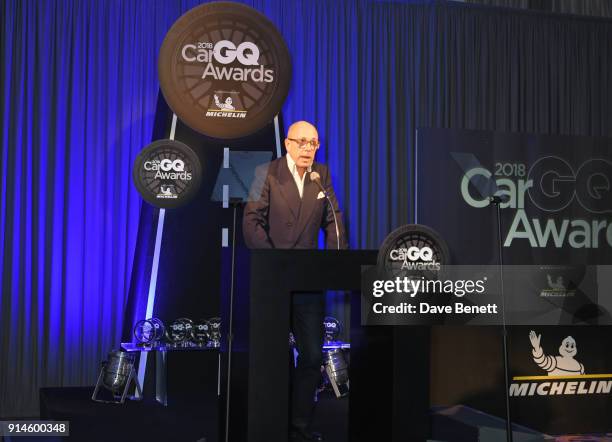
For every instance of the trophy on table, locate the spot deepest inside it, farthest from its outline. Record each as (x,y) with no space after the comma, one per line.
(149,332)
(200,332)
(214,332)
(179,333)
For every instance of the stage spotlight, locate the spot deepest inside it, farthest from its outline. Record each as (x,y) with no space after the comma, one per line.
(116,375)
(336,369)
(335,364)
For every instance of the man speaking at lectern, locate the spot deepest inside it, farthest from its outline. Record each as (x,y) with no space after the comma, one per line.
(293,206)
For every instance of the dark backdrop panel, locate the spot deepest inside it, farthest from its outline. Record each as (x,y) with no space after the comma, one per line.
(467,363)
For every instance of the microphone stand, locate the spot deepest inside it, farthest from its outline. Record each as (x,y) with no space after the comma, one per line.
(317,180)
(496,201)
(230,330)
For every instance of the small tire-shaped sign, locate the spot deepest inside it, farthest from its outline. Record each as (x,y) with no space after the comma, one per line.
(412,250)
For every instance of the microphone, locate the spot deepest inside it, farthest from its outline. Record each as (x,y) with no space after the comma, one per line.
(316,178)
(496,199)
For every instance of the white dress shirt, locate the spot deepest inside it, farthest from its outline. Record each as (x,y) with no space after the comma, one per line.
(296,176)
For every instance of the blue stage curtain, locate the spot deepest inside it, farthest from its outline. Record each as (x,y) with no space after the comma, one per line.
(78,92)
(78,86)
(595,8)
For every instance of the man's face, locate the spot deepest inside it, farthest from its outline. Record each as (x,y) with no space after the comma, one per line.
(301,131)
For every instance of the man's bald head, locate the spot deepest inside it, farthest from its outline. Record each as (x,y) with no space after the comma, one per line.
(298,144)
(302,129)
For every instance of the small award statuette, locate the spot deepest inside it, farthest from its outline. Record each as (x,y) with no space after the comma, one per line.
(214,333)
(200,333)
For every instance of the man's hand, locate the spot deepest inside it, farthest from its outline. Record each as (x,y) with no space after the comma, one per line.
(535,341)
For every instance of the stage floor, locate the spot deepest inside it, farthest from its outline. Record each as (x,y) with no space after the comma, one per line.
(151,422)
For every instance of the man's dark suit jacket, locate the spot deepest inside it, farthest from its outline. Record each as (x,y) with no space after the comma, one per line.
(281,219)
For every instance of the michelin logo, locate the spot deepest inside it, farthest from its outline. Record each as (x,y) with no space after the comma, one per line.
(556,288)
(562,365)
(558,368)
(225,109)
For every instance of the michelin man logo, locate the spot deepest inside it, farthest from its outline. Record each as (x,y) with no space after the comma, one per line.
(167,191)
(560,285)
(226,105)
(557,284)
(562,365)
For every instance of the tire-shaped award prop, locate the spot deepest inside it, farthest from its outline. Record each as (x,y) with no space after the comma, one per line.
(179,332)
(224,69)
(167,174)
(414,251)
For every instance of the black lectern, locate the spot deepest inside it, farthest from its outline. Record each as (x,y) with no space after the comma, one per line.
(259,393)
